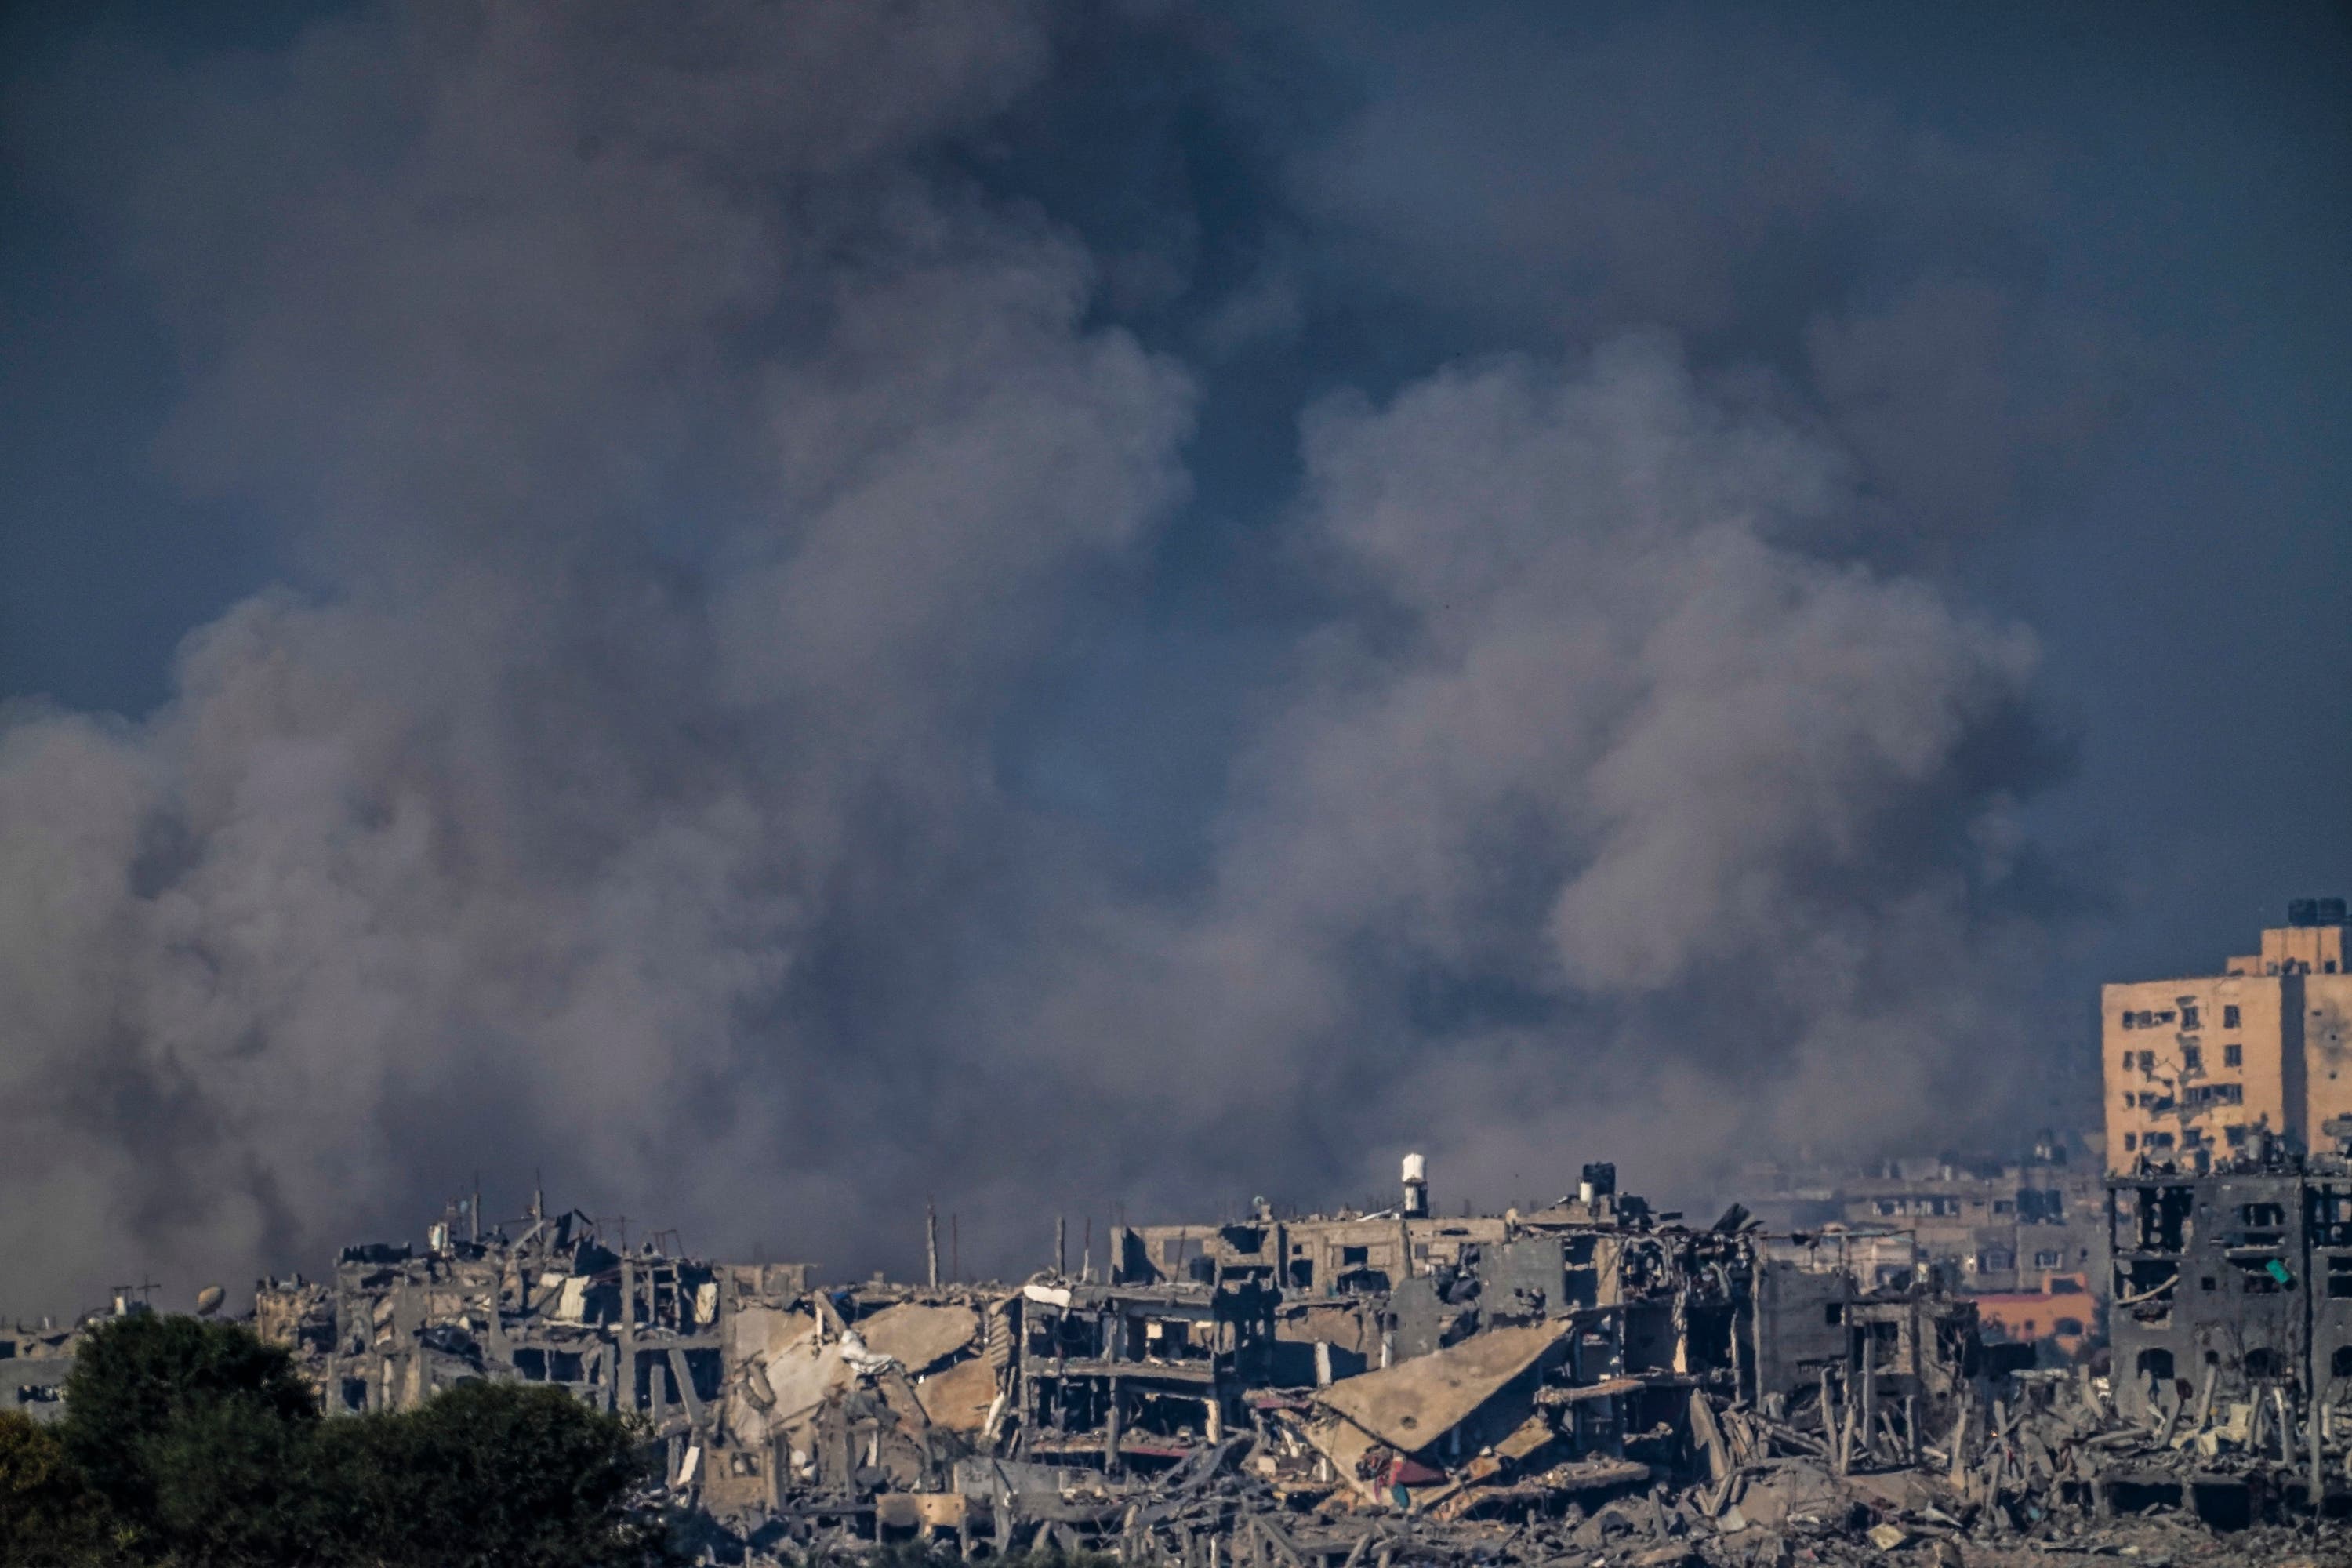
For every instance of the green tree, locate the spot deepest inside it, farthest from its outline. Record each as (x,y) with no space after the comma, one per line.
(197,1437)
(49,1516)
(489,1474)
(193,1444)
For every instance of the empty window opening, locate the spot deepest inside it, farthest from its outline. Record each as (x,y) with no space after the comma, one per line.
(2260,1276)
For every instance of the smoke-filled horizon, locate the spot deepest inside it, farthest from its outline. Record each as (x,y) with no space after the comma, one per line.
(777,611)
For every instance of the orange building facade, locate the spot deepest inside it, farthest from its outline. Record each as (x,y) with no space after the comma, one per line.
(2205,1068)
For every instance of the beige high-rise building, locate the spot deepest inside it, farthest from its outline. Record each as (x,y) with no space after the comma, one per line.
(2208,1063)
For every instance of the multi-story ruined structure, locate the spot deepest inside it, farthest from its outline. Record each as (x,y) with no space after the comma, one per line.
(762,1390)
(2231,1286)
(2204,1067)
(642,1332)
(1470,1362)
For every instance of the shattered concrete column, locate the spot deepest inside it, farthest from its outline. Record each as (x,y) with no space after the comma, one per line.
(625,1385)
(2318,1466)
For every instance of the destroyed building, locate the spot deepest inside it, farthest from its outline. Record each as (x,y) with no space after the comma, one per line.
(2234,1287)
(36,1358)
(34,1361)
(2028,1226)
(1285,1385)
(762,1390)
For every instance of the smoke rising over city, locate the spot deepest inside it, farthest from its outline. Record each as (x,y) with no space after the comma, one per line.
(836,605)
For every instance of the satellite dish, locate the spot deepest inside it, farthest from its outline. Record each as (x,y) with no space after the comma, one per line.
(209,1299)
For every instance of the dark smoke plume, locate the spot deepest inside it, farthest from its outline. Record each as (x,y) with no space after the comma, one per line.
(689,453)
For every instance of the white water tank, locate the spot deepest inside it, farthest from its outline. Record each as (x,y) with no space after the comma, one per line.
(1416,1186)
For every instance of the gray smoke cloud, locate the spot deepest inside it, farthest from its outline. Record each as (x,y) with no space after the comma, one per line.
(1609,820)
(686,464)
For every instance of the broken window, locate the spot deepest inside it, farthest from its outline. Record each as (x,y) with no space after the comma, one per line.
(2261,1362)
(2261,1217)
(2339,1277)
(2192,1057)
(2156,1364)
(2131,1142)
(2159,1139)
(2228,1014)
(2147,1061)
(1355,1256)
(2260,1276)
(2048,1260)
(2340,1363)
(2233,1055)
(2162,1218)
(2068,1326)
(2189,1016)
(2236,1134)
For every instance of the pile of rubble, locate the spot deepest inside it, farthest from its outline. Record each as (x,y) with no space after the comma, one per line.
(1585,1382)
(1468,1455)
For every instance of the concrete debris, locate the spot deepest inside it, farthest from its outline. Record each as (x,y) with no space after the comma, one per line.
(1586,1384)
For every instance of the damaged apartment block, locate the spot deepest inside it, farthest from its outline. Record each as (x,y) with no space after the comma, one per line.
(1276,1387)
(2234,1292)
